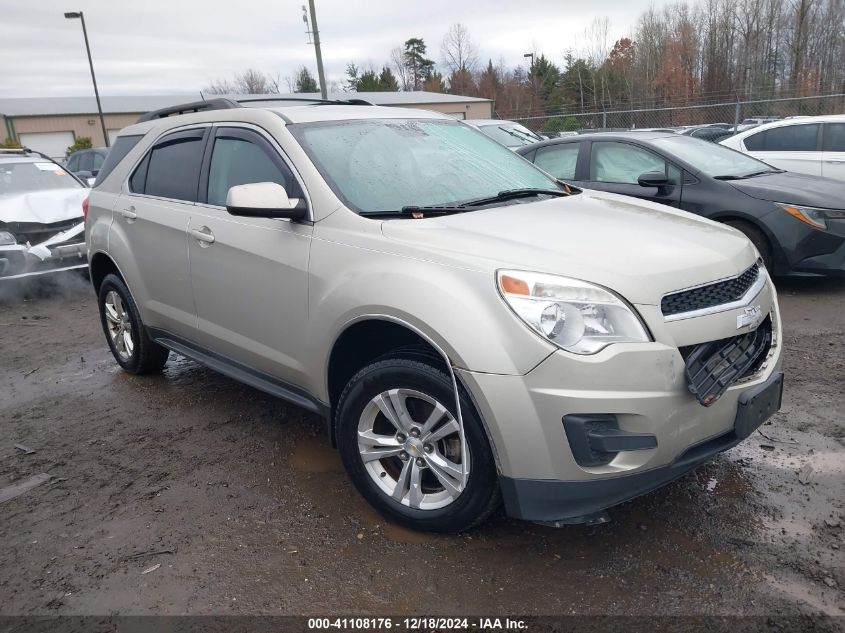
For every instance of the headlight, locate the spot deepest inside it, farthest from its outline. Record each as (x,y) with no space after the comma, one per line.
(7,239)
(574,315)
(813,216)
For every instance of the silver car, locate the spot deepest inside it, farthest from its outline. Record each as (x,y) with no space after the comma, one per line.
(472,331)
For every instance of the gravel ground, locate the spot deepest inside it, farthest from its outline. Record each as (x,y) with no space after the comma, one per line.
(188,493)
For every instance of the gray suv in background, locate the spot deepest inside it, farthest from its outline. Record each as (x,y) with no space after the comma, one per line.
(472,330)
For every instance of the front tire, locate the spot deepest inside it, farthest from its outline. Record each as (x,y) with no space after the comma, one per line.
(400,443)
(130,345)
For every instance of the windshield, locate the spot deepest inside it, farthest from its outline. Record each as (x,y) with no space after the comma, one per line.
(24,177)
(380,165)
(510,134)
(711,158)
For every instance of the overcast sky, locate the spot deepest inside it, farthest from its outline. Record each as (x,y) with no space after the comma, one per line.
(173,46)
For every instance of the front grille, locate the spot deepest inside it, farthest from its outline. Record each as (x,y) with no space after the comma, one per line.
(710,295)
(35,233)
(713,367)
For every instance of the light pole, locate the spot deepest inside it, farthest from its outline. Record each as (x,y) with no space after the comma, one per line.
(533,78)
(73,15)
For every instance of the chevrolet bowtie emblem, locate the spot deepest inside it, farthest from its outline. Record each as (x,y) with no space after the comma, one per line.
(750,317)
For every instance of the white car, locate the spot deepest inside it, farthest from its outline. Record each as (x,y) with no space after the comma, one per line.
(41,216)
(807,145)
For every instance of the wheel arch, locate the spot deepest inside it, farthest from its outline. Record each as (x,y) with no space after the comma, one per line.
(352,349)
(100,266)
(737,216)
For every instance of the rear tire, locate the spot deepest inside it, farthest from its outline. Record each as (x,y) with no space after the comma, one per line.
(127,337)
(418,481)
(756,237)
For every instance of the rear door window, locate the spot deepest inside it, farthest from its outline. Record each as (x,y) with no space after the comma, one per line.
(559,160)
(834,137)
(787,138)
(173,166)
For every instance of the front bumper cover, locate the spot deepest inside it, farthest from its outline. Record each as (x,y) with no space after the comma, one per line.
(579,501)
(64,251)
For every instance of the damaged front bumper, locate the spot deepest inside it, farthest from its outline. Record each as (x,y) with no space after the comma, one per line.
(65,250)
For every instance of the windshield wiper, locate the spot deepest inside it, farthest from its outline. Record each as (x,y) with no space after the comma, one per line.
(751,175)
(468,205)
(438,209)
(513,194)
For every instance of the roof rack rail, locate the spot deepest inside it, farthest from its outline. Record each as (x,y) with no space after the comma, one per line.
(24,150)
(307,100)
(194,106)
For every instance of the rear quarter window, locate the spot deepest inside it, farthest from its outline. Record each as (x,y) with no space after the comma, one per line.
(122,146)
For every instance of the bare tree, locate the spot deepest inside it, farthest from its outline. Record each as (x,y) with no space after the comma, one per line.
(458,50)
(250,81)
(397,59)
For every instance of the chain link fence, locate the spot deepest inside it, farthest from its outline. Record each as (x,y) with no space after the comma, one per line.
(733,113)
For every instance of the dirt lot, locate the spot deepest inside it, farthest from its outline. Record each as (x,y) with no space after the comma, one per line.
(246,508)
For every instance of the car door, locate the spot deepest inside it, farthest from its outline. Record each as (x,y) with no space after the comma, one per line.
(150,228)
(616,166)
(833,151)
(794,147)
(249,275)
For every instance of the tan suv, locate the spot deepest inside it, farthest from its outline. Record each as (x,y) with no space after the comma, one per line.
(471,329)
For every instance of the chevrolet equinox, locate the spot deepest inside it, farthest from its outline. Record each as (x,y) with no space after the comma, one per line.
(474,332)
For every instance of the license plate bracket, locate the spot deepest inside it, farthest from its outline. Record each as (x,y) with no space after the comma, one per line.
(758,404)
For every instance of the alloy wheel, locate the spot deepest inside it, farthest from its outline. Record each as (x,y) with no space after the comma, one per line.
(412,449)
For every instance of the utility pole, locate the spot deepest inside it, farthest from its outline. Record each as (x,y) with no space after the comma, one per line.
(316,33)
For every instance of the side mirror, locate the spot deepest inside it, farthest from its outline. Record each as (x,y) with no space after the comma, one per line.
(653,179)
(91,181)
(264,200)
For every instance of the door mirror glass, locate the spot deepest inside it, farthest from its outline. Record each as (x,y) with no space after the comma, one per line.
(653,179)
(264,200)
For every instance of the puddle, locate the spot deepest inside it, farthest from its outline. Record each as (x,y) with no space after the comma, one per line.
(314,455)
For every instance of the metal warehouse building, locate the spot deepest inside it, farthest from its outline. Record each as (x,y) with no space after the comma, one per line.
(51,124)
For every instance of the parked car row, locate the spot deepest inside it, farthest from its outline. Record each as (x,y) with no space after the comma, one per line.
(319,252)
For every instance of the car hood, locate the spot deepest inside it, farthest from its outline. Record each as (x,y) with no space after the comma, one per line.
(43,207)
(641,250)
(793,188)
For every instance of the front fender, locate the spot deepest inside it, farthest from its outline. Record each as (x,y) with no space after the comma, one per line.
(457,309)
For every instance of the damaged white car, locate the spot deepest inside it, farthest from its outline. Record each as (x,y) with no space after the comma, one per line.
(42,227)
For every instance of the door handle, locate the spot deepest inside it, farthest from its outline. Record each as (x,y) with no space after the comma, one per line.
(129,213)
(835,162)
(203,235)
